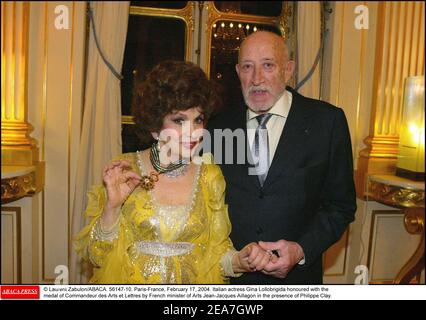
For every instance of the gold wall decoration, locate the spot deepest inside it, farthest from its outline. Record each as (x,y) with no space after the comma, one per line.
(399,54)
(284,20)
(414,222)
(17,187)
(18,148)
(395,195)
(413,268)
(127,120)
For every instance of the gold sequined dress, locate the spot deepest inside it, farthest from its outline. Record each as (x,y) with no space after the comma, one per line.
(158,244)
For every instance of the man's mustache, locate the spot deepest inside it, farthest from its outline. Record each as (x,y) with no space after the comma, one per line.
(258,88)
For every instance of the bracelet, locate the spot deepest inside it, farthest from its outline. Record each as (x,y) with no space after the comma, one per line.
(99,233)
(226,264)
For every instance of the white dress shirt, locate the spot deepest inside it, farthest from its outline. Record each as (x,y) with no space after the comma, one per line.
(275,125)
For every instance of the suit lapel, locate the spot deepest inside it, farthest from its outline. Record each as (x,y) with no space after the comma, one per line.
(241,122)
(292,137)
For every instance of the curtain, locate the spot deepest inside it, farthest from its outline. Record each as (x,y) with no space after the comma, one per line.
(101,126)
(308,43)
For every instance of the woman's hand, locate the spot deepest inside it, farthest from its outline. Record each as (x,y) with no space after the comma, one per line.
(119,184)
(252,258)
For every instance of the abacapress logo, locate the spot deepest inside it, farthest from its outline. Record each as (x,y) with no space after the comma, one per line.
(20,292)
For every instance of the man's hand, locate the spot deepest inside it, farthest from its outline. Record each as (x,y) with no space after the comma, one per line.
(290,253)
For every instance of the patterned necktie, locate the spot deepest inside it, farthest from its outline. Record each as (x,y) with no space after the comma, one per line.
(261,147)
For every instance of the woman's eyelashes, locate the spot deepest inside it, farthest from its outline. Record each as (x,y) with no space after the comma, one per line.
(199,120)
(181,121)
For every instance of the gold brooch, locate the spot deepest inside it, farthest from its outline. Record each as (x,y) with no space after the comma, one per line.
(148,182)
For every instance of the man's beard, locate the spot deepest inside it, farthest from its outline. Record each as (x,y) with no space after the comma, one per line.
(256,109)
(263,108)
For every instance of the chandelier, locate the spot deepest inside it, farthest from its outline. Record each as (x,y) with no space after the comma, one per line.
(227,37)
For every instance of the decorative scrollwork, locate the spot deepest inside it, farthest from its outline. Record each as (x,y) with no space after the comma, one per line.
(187,14)
(396,196)
(414,220)
(17,187)
(284,20)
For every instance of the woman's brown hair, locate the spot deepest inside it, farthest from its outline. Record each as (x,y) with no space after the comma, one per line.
(171,86)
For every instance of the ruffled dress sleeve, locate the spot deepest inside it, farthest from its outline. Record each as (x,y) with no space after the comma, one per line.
(219,243)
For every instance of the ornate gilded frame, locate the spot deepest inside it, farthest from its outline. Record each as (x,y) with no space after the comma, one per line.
(185,14)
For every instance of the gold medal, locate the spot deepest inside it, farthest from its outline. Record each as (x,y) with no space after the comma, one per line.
(148,182)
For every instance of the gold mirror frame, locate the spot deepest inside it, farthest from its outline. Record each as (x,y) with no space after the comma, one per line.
(185,14)
(215,15)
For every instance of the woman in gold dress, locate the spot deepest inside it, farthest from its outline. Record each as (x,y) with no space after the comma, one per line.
(159,217)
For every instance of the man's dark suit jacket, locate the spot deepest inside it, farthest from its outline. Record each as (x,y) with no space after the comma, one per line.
(309,194)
